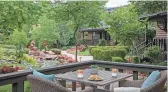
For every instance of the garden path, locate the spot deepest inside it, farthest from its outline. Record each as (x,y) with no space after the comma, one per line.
(83,58)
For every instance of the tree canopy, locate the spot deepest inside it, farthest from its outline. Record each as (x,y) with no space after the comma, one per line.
(146,7)
(81,14)
(15,14)
(125,26)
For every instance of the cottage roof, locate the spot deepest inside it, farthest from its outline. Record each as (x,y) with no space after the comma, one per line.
(155,16)
(93,30)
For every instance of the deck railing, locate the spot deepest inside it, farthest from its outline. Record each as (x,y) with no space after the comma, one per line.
(17,78)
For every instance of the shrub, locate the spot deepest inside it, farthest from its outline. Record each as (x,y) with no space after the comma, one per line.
(105,53)
(119,52)
(90,48)
(29,60)
(117,59)
(8,46)
(135,59)
(153,52)
(102,42)
(56,51)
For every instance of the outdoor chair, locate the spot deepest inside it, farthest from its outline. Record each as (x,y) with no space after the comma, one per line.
(158,86)
(42,85)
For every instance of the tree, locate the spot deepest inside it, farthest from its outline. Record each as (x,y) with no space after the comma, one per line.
(46,31)
(146,7)
(19,39)
(79,13)
(15,14)
(125,26)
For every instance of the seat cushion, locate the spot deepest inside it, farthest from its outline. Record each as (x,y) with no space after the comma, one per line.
(126,89)
(41,75)
(152,78)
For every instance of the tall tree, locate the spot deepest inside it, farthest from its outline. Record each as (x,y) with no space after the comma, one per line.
(79,13)
(15,14)
(146,7)
(125,26)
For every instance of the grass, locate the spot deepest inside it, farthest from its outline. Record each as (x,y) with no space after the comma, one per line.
(8,88)
(83,53)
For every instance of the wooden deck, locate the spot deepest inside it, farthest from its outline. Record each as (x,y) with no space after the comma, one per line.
(17,78)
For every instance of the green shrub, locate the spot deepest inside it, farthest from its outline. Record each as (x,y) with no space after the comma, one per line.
(153,52)
(105,53)
(135,59)
(29,60)
(162,63)
(8,46)
(102,42)
(56,51)
(119,52)
(117,59)
(90,49)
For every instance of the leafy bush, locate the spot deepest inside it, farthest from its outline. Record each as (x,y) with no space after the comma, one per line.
(105,53)
(117,59)
(29,60)
(135,59)
(102,42)
(90,48)
(153,52)
(8,46)
(56,51)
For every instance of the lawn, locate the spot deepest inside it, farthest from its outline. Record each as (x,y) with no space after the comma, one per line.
(83,53)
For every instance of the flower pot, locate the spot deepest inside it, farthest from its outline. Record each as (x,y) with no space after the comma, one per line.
(94,70)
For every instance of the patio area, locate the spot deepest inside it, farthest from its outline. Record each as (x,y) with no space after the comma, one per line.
(17,79)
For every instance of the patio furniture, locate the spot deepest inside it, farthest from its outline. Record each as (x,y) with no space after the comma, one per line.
(158,86)
(106,75)
(42,85)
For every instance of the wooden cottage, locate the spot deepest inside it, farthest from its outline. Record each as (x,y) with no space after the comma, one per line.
(91,36)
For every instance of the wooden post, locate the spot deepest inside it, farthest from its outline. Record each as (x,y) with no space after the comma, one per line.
(135,75)
(73,86)
(82,86)
(107,69)
(120,70)
(18,87)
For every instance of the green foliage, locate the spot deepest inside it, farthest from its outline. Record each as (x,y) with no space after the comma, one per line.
(146,7)
(90,49)
(93,66)
(80,14)
(102,42)
(8,46)
(134,59)
(117,59)
(7,54)
(56,51)
(18,38)
(153,52)
(106,52)
(46,31)
(29,60)
(15,14)
(125,26)
(162,63)
(1,52)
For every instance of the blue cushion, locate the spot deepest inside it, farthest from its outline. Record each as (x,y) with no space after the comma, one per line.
(153,77)
(41,75)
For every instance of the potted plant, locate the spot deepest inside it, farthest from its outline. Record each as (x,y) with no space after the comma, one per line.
(94,69)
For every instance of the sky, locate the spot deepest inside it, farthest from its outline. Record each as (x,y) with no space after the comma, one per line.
(116,3)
